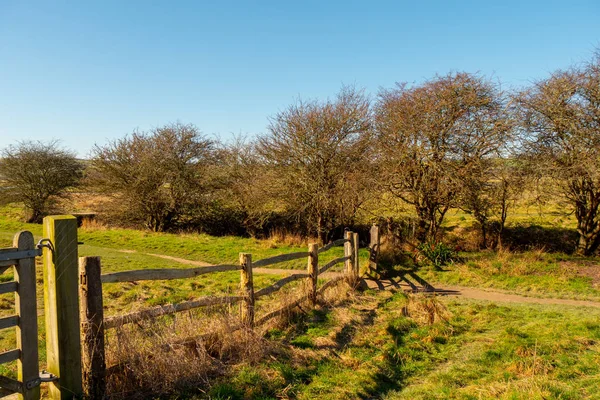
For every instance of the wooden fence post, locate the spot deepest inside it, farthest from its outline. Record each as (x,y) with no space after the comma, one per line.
(313,271)
(27,331)
(247,286)
(355,260)
(348,253)
(92,328)
(61,306)
(374,248)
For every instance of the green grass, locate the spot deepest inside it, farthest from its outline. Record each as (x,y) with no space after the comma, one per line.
(366,346)
(483,351)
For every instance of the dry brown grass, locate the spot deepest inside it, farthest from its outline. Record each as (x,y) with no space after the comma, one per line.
(93,224)
(426,309)
(189,351)
(175,354)
(279,237)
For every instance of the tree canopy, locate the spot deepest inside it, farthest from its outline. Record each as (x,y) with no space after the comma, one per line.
(37,174)
(155,176)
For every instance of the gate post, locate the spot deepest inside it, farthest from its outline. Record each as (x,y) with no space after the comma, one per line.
(313,271)
(247,288)
(348,264)
(374,248)
(28,369)
(61,306)
(92,326)
(355,259)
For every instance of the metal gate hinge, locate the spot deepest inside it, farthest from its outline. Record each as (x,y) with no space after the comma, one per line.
(33,383)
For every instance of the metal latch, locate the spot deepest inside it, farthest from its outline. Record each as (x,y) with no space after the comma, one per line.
(45,376)
(47,243)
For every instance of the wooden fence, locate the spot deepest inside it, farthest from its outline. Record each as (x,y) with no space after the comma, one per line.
(73,304)
(94,324)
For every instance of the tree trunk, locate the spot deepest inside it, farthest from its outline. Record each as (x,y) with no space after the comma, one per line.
(588,242)
(35,217)
(588,225)
(422,229)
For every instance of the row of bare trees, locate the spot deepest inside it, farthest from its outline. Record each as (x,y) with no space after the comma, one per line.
(454,141)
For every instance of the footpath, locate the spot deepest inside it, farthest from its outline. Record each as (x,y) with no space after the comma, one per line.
(390,284)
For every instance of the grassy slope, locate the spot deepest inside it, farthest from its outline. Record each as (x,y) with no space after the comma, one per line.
(369,348)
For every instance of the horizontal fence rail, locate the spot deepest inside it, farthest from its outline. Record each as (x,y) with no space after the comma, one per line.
(282,310)
(279,284)
(158,311)
(11,257)
(9,356)
(10,385)
(164,273)
(280,258)
(288,307)
(335,243)
(9,322)
(332,263)
(8,287)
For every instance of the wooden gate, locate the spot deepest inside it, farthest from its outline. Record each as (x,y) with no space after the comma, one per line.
(21,257)
(61,312)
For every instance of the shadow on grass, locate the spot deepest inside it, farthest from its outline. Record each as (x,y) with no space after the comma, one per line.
(551,239)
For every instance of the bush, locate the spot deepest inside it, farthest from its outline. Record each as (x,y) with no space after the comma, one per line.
(438,253)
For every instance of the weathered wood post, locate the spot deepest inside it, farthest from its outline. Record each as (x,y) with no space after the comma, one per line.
(61,306)
(92,328)
(27,331)
(313,271)
(348,264)
(374,248)
(247,287)
(355,260)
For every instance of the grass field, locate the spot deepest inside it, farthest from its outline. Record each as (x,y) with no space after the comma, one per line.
(369,348)
(376,344)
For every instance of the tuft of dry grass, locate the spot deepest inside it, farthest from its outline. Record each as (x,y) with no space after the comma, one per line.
(278,237)
(426,309)
(93,224)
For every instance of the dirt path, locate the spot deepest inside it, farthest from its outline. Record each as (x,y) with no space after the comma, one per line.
(480,294)
(458,291)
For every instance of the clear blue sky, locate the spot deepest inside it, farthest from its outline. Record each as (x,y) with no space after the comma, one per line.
(86,72)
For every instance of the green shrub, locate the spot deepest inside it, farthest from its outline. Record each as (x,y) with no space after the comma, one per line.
(438,253)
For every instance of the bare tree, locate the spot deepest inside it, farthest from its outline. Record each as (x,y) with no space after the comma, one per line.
(560,118)
(434,136)
(36,174)
(155,177)
(489,190)
(250,186)
(319,150)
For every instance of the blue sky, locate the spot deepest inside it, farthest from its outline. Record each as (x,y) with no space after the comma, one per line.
(87,72)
